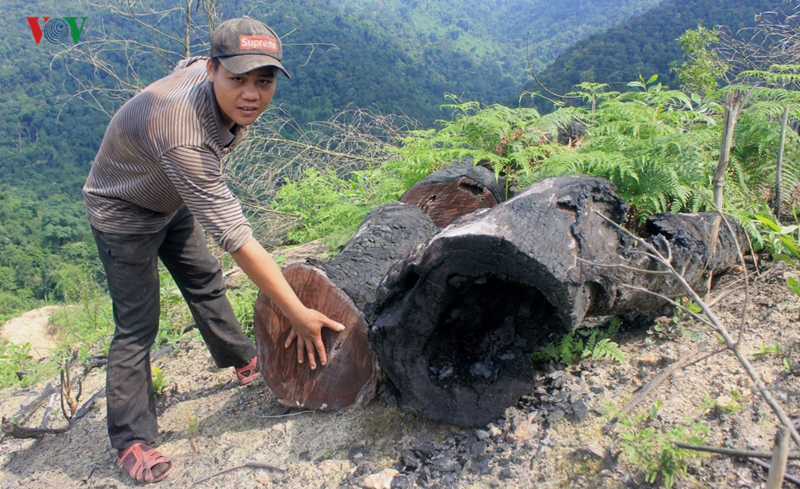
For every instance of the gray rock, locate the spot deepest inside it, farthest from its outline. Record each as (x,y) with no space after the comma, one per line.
(555,415)
(482,434)
(581,410)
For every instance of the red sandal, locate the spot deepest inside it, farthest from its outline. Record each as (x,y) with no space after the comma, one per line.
(144,464)
(248,373)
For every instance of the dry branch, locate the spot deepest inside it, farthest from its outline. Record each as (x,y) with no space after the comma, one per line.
(13,429)
(46,416)
(25,411)
(794,455)
(642,393)
(665,261)
(793,480)
(257,464)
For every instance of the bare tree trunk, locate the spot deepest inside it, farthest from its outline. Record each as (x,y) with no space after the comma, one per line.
(344,290)
(780,456)
(188,30)
(454,191)
(779,166)
(734,103)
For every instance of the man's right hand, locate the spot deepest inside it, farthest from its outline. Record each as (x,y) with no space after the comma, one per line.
(307,330)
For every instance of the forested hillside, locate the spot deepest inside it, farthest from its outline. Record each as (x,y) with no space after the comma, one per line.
(645,44)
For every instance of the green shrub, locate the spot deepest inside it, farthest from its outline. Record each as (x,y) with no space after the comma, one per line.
(14,361)
(327,203)
(654,452)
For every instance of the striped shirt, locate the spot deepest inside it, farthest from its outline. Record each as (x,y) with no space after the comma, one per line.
(162,150)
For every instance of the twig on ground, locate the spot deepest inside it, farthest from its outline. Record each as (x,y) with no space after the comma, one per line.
(655,382)
(89,474)
(248,463)
(87,405)
(48,409)
(787,477)
(161,352)
(724,294)
(95,362)
(278,416)
(25,411)
(14,431)
(794,455)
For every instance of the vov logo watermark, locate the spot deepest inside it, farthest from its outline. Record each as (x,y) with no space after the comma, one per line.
(56,30)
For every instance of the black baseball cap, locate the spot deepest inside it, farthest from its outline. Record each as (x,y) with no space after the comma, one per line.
(245,44)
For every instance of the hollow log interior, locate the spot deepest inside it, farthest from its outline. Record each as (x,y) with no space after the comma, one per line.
(488,332)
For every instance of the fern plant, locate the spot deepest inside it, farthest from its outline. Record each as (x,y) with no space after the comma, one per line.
(656,145)
(514,142)
(591,343)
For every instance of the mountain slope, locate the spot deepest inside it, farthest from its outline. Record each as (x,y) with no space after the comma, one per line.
(404,56)
(646,44)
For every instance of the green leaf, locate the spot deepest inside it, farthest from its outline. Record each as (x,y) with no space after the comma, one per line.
(784,258)
(694,307)
(769,223)
(793,284)
(790,245)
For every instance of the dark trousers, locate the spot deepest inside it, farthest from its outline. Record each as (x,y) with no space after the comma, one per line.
(131,266)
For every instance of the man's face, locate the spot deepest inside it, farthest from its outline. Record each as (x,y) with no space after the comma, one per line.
(242,98)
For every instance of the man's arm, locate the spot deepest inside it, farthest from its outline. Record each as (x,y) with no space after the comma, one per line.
(306,323)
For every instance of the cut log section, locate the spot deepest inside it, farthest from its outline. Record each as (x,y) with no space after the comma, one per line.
(456,190)
(459,318)
(343,289)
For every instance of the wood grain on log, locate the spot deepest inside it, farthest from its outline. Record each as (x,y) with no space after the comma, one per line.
(454,191)
(343,289)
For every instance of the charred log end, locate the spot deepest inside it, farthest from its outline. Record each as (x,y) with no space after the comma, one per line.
(349,378)
(457,344)
(444,202)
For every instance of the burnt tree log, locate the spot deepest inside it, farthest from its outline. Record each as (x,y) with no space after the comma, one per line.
(342,289)
(456,190)
(458,319)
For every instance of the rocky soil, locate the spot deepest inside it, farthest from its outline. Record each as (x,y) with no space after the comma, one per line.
(553,437)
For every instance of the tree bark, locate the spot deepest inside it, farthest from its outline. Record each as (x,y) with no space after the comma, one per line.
(456,190)
(458,319)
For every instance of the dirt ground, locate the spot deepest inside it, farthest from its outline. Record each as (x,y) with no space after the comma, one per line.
(553,437)
(32,328)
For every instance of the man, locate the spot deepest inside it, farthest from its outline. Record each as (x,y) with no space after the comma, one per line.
(156,179)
